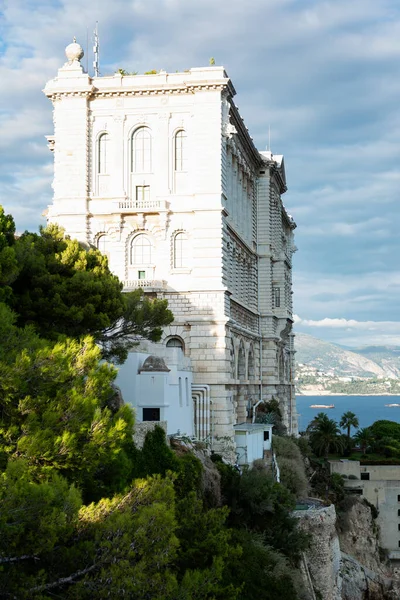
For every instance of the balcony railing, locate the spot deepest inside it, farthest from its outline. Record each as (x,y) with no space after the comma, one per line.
(140,205)
(146,284)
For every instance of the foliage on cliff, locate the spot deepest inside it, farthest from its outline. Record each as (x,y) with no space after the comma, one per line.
(85,514)
(291,465)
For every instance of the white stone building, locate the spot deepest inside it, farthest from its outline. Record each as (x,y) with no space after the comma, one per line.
(160,173)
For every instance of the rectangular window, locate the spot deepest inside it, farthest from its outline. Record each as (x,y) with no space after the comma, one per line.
(398,498)
(151,414)
(141,274)
(276,297)
(142,194)
(365,476)
(398,513)
(266,436)
(398,526)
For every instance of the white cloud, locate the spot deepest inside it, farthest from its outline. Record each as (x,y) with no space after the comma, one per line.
(335,323)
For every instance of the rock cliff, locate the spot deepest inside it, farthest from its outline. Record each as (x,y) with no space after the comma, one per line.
(344,561)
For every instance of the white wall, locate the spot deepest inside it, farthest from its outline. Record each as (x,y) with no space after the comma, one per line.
(171,392)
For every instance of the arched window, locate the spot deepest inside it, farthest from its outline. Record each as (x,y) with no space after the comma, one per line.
(103,163)
(141,151)
(103,244)
(180,250)
(180,151)
(174,342)
(141,250)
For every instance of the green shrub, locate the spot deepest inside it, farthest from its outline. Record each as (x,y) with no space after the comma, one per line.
(293,476)
(287,448)
(304,446)
(189,474)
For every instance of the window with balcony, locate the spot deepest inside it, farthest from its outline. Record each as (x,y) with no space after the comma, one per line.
(141,151)
(142,195)
(141,250)
(180,151)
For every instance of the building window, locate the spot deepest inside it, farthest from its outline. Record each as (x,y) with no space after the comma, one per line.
(174,343)
(180,250)
(276,297)
(151,414)
(266,436)
(103,245)
(103,154)
(142,194)
(365,476)
(141,274)
(180,151)
(141,151)
(141,250)
(398,513)
(398,498)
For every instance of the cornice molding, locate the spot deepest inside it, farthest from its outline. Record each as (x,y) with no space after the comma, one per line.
(96,93)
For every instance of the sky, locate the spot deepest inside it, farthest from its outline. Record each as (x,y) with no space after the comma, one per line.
(323,75)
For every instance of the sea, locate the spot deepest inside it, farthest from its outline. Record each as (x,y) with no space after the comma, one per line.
(368,409)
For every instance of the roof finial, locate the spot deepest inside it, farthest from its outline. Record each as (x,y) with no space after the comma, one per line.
(74,52)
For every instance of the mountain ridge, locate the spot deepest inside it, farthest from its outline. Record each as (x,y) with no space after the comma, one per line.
(329,358)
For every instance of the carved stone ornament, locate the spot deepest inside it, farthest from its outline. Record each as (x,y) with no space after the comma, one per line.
(229,130)
(74,52)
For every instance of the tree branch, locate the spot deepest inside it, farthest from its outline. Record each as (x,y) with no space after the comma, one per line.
(63,580)
(11,559)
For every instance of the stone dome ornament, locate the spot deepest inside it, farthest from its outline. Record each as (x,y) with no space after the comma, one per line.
(74,52)
(154,364)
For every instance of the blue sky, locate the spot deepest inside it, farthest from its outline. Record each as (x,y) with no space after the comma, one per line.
(323,74)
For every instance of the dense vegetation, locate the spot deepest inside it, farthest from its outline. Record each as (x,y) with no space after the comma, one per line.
(378,443)
(84,513)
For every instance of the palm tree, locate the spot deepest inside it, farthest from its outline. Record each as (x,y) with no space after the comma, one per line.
(348,421)
(364,438)
(325,436)
(319,418)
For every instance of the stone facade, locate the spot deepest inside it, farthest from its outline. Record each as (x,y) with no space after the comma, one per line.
(160,173)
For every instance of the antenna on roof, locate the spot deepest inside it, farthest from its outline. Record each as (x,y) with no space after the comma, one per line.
(96,62)
(87,50)
(269,138)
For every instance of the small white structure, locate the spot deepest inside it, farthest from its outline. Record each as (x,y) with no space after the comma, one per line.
(159,392)
(252,440)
